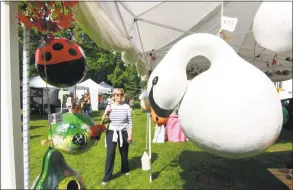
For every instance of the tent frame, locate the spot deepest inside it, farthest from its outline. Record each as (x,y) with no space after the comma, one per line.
(12,166)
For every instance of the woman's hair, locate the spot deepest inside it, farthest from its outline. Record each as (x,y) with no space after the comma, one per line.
(116,90)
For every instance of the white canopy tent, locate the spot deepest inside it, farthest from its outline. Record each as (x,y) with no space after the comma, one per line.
(38,82)
(94,89)
(135,29)
(89,83)
(286,90)
(104,84)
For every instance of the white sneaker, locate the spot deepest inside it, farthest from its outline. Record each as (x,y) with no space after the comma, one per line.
(104,183)
(127,173)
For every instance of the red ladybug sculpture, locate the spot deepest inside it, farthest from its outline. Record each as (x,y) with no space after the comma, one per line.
(65,62)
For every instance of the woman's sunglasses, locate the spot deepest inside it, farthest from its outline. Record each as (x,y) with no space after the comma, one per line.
(118,94)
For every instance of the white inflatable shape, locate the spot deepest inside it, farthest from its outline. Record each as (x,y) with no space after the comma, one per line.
(232,110)
(272,26)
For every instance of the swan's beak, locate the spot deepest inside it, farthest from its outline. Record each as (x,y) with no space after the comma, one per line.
(157,119)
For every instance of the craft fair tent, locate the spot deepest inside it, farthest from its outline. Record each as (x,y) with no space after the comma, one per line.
(134,28)
(94,90)
(106,85)
(89,83)
(138,28)
(286,90)
(38,82)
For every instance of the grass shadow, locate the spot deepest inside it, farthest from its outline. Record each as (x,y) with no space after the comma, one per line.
(285,137)
(248,173)
(36,127)
(38,117)
(35,136)
(135,162)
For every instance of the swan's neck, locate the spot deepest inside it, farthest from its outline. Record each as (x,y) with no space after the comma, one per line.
(207,45)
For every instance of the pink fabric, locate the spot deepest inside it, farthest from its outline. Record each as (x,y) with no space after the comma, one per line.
(174,130)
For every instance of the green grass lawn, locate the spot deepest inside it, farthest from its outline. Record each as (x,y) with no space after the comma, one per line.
(175,165)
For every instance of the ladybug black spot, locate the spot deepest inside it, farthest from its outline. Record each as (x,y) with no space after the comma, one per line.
(57,46)
(47,56)
(72,52)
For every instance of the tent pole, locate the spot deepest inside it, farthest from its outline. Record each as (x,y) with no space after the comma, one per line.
(12,175)
(61,107)
(163,25)
(147,132)
(139,36)
(129,11)
(150,146)
(123,23)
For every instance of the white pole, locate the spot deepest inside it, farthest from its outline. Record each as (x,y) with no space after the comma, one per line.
(147,132)
(150,145)
(11,136)
(26,107)
(61,107)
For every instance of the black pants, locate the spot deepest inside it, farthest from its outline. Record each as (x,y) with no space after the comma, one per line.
(111,149)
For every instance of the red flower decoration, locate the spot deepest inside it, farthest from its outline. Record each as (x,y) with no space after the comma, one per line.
(48,16)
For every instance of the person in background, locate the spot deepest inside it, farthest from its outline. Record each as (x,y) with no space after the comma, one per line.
(99,99)
(131,104)
(109,100)
(119,131)
(86,103)
(70,102)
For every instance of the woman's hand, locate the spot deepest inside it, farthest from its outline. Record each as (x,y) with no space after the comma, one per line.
(129,139)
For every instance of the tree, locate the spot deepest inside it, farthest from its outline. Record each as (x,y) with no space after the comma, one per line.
(125,76)
(133,85)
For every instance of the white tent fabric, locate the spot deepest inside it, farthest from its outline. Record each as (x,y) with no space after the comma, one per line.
(105,85)
(38,82)
(158,25)
(89,83)
(286,90)
(94,90)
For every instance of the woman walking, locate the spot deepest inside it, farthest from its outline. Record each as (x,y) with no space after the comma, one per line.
(119,131)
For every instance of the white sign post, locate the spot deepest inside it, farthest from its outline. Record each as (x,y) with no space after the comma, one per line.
(55,118)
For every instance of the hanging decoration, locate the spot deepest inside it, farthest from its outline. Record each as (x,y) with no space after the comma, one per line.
(153,55)
(272,26)
(64,60)
(274,62)
(210,124)
(77,133)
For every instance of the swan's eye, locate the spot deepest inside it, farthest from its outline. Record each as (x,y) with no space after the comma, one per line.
(155,80)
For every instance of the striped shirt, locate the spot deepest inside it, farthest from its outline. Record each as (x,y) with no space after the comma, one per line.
(120,117)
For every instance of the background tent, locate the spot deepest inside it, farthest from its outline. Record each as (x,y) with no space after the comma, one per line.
(139,28)
(105,85)
(38,82)
(286,90)
(94,90)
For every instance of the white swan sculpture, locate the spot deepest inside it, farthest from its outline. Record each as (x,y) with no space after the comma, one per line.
(272,26)
(232,110)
